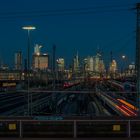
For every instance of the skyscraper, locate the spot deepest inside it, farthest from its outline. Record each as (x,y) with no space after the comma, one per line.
(40,61)
(89,64)
(60,64)
(94,65)
(76,63)
(18,60)
(37,49)
(113,66)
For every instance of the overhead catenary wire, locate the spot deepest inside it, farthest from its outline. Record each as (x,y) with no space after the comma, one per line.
(124,42)
(62,12)
(33,14)
(68,10)
(125,45)
(124,39)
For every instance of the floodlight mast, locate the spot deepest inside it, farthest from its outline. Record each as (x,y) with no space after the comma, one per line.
(29,28)
(138,57)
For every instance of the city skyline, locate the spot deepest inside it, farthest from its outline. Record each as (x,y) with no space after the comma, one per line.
(42,61)
(70,69)
(109,28)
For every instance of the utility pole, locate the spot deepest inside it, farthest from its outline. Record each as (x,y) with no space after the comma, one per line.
(138,56)
(111,56)
(111,59)
(53,66)
(53,102)
(29,28)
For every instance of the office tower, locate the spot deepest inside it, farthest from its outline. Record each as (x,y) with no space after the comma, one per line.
(113,66)
(76,63)
(60,64)
(18,60)
(37,49)
(40,61)
(89,63)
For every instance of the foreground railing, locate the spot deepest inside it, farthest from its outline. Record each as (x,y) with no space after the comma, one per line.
(70,128)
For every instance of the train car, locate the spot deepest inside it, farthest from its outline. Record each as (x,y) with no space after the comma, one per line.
(116,85)
(129,87)
(124,87)
(70,84)
(7,85)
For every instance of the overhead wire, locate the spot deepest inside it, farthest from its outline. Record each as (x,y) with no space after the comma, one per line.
(123,42)
(61,12)
(69,9)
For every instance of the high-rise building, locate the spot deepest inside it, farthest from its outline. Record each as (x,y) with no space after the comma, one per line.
(101,66)
(131,66)
(131,69)
(113,66)
(94,65)
(18,60)
(97,59)
(40,61)
(60,64)
(37,49)
(76,63)
(88,64)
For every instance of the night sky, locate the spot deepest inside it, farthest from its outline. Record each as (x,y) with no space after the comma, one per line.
(72,25)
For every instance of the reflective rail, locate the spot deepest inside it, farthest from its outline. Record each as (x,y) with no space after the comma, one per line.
(70,91)
(70,128)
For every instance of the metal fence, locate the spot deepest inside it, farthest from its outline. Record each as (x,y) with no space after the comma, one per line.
(70,128)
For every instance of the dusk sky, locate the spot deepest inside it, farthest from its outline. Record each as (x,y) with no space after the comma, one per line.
(72,25)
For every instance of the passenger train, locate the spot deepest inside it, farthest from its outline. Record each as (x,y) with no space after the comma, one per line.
(124,87)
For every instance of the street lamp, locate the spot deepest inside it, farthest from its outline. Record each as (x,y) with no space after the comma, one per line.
(28,28)
(123,56)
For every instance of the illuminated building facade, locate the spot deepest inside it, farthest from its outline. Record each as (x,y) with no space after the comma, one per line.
(101,66)
(11,75)
(76,63)
(88,63)
(37,49)
(94,64)
(60,64)
(40,61)
(131,69)
(113,67)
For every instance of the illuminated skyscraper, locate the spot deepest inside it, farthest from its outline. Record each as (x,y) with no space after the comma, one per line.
(37,49)
(40,61)
(89,63)
(131,69)
(18,60)
(101,66)
(60,64)
(76,63)
(94,65)
(97,59)
(113,66)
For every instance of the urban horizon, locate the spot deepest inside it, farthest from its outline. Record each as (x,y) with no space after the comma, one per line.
(76,30)
(37,51)
(70,69)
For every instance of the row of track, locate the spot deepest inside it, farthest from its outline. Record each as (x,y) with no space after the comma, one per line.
(116,102)
(122,86)
(15,103)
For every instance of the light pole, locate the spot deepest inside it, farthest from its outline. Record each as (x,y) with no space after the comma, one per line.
(123,64)
(28,28)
